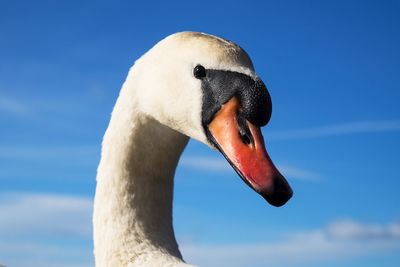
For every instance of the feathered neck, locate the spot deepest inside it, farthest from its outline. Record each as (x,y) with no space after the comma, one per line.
(133,203)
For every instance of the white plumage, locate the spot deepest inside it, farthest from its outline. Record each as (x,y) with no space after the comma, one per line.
(158,108)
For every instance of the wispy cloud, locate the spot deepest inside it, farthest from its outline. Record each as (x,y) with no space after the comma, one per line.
(45,230)
(351,230)
(64,114)
(28,220)
(219,164)
(206,163)
(48,153)
(336,129)
(13,106)
(38,215)
(338,241)
(297,173)
(30,253)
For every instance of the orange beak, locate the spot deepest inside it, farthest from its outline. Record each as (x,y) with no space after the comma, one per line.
(242,144)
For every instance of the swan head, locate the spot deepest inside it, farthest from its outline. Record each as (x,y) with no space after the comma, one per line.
(206,88)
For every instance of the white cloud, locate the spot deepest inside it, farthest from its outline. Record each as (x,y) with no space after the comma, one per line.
(46,153)
(38,215)
(65,114)
(28,254)
(28,221)
(336,129)
(61,156)
(206,163)
(45,230)
(337,242)
(13,106)
(348,229)
(219,164)
(292,172)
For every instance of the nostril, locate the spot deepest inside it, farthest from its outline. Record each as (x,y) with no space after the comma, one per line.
(244,130)
(245,138)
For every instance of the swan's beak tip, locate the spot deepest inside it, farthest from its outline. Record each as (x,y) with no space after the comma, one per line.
(281,194)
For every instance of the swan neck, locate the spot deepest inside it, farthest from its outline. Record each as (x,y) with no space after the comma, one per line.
(134,193)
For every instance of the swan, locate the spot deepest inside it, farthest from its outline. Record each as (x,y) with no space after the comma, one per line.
(189,85)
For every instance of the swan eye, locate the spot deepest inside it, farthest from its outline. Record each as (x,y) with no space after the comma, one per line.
(199,72)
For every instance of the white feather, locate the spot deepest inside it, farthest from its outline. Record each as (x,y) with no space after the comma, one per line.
(158,108)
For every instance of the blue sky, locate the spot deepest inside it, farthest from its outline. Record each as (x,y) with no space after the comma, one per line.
(332,69)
